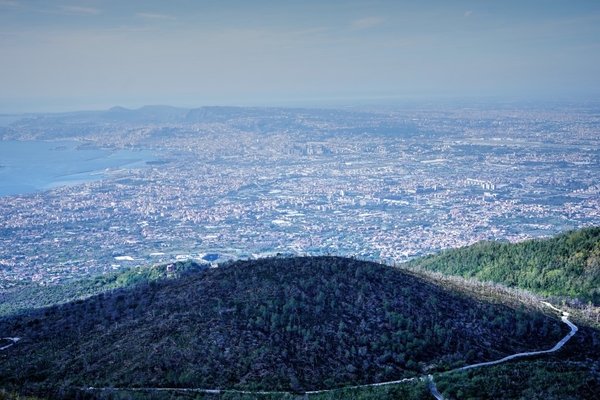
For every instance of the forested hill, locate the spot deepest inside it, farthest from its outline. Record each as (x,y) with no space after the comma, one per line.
(567,264)
(281,323)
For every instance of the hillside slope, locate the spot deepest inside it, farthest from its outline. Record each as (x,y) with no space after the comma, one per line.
(283,323)
(28,296)
(566,264)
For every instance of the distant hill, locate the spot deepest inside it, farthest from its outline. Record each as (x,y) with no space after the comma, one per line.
(146,114)
(276,324)
(565,265)
(266,120)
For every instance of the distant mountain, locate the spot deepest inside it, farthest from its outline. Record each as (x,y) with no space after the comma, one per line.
(107,128)
(146,114)
(564,265)
(289,324)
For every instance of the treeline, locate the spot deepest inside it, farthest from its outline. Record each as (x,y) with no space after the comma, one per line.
(291,324)
(24,298)
(565,265)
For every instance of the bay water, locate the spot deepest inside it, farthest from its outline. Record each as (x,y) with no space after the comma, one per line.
(29,166)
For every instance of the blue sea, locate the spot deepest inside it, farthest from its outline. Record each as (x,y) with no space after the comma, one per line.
(29,166)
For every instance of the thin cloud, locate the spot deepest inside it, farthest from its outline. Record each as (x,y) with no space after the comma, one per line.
(80,10)
(11,4)
(310,31)
(154,16)
(48,9)
(467,13)
(366,22)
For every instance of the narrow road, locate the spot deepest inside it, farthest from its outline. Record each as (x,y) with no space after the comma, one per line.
(432,385)
(433,389)
(564,318)
(14,340)
(558,345)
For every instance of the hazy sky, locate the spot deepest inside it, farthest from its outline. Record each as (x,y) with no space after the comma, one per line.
(82,54)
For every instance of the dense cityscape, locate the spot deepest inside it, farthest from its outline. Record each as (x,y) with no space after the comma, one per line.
(385,184)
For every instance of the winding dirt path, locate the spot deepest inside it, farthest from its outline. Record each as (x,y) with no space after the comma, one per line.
(564,318)
(14,340)
(432,385)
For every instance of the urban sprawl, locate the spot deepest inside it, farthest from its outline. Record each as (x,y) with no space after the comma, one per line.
(385,184)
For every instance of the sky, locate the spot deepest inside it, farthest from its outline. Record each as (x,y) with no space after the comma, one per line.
(92,54)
